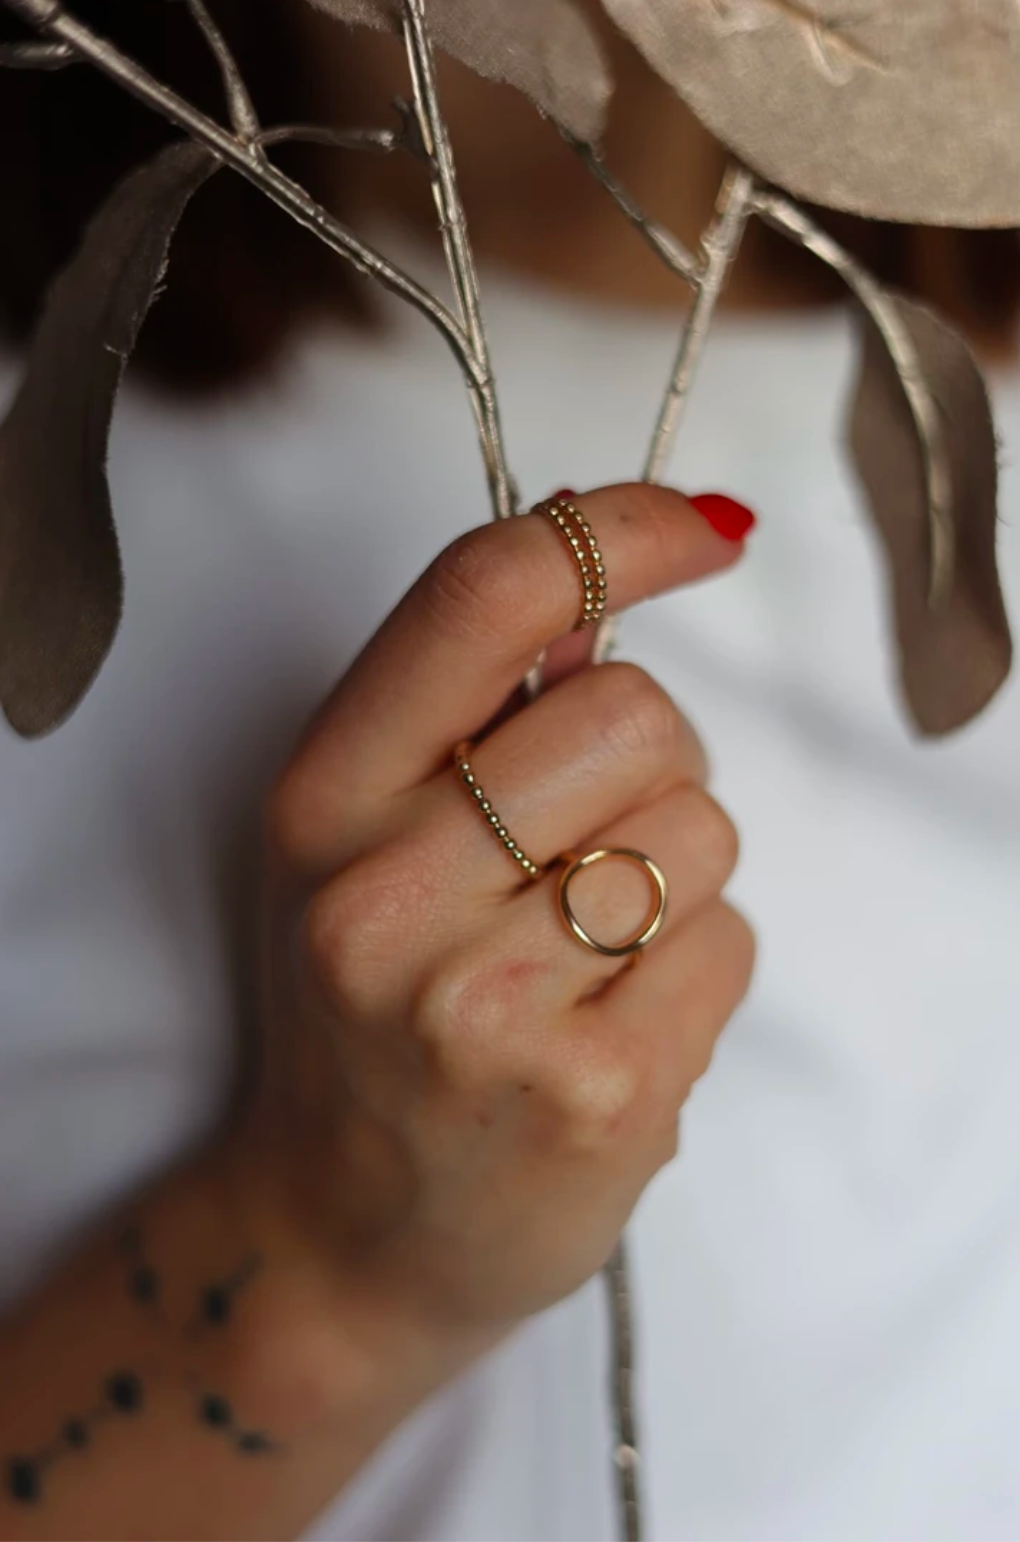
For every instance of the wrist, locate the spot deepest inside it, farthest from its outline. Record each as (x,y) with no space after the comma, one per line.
(322,1351)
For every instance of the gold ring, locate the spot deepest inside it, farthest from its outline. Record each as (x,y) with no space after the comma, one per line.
(584,548)
(652,924)
(461,756)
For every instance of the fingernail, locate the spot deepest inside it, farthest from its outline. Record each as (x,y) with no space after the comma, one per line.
(565,495)
(727,517)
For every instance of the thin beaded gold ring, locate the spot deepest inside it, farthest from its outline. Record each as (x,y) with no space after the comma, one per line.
(462,760)
(584,548)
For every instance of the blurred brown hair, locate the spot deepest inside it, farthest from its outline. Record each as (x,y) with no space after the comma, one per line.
(243,275)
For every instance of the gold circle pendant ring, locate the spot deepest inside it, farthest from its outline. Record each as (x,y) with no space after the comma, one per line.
(652,924)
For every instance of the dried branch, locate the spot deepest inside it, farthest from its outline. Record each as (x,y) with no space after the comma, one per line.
(663,242)
(786,216)
(50,16)
(720,245)
(36,56)
(617,1278)
(243,116)
(382,140)
(459,255)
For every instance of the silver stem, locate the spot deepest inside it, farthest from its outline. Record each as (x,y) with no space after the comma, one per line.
(36,56)
(626,1454)
(243,116)
(788,217)
(287,194)
(382,140)
(459,254)
(721,245)
(666,246)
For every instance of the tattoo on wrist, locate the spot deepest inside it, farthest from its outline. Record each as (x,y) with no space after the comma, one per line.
(123,1393)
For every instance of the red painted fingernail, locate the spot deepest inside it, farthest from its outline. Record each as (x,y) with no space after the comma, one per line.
(727,517)
(565,495)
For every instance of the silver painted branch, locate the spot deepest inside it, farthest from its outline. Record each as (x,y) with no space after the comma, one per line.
(663,242)
(720,246)
(786,216)
(459,255)
(243,117)
(382,140)
(36,56)
(285,193)
(626,1453)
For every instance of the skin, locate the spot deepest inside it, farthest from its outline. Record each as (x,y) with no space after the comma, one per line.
(453,1107)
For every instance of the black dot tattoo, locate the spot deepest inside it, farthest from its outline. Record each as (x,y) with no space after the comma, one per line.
(124,1390)
(76,1434)
(215,1411)
(24,1480)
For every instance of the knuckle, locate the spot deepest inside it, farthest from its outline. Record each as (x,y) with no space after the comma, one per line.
(347,935)
(471,589)
(595,1101)
(637,717)
(712,838)
(465,1013)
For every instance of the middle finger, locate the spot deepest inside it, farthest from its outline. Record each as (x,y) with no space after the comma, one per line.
(595,747)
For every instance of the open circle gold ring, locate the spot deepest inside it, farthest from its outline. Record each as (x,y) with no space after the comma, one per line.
(652,924)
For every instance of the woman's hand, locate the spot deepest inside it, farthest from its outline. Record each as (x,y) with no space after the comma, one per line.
(465,1103)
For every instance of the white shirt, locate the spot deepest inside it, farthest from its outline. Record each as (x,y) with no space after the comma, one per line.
(829,1279)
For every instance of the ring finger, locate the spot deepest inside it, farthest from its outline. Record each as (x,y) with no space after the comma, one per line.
(596,746)
(690,839)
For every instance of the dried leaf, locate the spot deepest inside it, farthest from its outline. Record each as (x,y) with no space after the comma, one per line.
(896,109)
(60,574)
(954,655)
(544,48)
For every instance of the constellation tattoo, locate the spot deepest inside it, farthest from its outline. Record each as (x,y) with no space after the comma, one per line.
(123,1392)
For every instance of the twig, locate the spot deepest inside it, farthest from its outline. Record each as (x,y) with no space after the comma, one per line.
(626,1453)
(50,16)
(459,255)
(36,56)
(663,242)
(243,116)
(791,220)
(383,140)
(720,246)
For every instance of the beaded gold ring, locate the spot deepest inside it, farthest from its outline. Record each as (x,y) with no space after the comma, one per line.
(461,756)
(584,548)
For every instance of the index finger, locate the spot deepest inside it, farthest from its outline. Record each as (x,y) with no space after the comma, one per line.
(462,639)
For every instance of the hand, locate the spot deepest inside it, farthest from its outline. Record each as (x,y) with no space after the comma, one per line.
(465,1104)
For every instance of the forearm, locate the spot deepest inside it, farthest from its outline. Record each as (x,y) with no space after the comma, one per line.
(196,1373)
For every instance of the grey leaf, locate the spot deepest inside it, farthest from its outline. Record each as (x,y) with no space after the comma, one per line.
(544,48)
(60,575)
(955,654)
(896,109)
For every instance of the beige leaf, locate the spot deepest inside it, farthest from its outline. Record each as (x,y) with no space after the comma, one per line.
(896,109)
(955,654)
(60,574)
(544,48)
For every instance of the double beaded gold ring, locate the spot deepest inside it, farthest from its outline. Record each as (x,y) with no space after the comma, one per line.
(584,548)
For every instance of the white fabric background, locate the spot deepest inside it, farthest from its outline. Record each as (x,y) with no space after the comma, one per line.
(829,1280)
